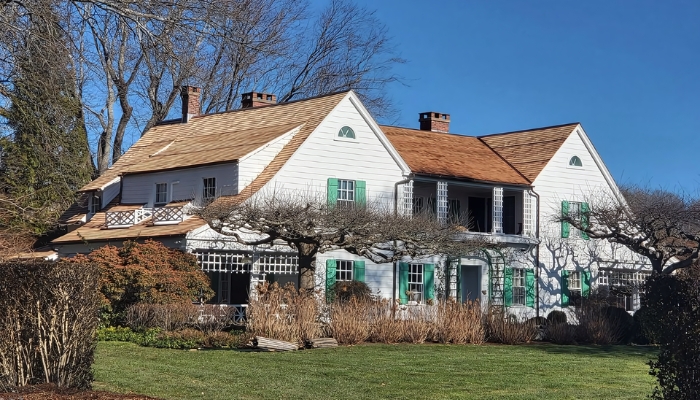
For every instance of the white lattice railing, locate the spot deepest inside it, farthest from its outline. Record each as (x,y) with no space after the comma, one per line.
(124,219)
(168,215)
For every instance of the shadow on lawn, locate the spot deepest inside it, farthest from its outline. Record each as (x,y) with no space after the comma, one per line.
(599,351)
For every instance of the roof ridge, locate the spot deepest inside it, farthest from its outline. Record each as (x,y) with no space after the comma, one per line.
(266,106)
(529,130)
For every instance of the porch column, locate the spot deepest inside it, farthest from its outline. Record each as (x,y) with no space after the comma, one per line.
(255,275)
(441,198)
(497,209)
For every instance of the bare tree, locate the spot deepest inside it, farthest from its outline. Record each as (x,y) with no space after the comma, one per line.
(657,224)
(309,225)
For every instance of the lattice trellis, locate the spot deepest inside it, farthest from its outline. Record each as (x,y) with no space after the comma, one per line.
(279,263)
(497,210)
(527,214)
(168,214)
(442,201)
(119,218)
(407,203)
(218,261)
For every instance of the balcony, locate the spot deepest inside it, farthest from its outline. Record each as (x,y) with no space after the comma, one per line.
(504,214)
(126,216)
(168,215)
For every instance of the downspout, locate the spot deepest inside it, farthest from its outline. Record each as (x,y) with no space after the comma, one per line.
(537,254)
(396,210)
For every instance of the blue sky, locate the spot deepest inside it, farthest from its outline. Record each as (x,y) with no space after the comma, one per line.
(629,71)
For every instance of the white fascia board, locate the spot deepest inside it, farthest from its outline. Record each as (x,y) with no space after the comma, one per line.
(355,100)
(288,135)
(115,180)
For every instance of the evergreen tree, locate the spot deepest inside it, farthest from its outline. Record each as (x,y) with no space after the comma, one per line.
(46,158)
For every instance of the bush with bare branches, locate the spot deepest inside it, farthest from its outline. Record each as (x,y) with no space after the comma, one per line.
(459,323)
(48,318)
(283,313)
(507,329)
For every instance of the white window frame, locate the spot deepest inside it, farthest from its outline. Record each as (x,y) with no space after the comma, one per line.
(575,284)
(163,193)
(346,192)
(415,282)
(95,204)
(626,285)
(208,188)
(344,270)
(518,286)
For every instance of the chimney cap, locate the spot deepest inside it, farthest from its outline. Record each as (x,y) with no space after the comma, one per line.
(433,115)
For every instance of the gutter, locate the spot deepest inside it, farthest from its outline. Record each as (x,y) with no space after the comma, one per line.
(537,254)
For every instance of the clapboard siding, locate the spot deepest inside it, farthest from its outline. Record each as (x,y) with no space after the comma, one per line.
(379,277)
(140,189)
(558,181)
(323,155)
(110,192)
(252,165)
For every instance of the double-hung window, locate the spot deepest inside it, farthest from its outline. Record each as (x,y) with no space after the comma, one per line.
(161,193)
(519,294)
(209,189)
(574,286)
(343,270)
(415,282)
(346,192)
(95,204)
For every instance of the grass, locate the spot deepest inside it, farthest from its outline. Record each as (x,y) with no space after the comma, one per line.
(379,372)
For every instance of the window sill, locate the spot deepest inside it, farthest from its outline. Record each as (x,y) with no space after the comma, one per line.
(340,139)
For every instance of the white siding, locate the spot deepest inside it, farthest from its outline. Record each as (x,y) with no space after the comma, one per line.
(183,184)
(323,155)
(253,164)
(379,277)
(110,192)
(558,181)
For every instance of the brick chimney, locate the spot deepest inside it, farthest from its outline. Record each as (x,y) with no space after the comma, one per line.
(434,121)
(255,99)
(191,106)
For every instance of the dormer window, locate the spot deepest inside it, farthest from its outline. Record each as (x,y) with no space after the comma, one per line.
(575,162)
(209,191)
(161,194)
(95,204)
(346,132)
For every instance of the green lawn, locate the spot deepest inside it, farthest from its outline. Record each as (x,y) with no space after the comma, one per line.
(379,372)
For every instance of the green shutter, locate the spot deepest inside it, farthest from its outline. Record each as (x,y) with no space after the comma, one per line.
(508,287)
(564,288)
(429,281)
(530,288)
(585,211)
(403,282)
(585,283)
(330,279)
(564,214)
(332,191)
(360,193)
(358,271)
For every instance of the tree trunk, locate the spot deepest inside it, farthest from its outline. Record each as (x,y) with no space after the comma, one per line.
(307,265)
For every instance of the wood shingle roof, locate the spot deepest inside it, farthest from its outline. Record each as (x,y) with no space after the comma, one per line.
(529,151)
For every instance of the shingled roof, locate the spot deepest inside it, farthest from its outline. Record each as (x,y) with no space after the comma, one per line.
(220,137)
(449,155)
(530,150)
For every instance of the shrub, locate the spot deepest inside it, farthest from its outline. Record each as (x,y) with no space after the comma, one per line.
(556,317)
(561,333)
(283,313)
(673,303)
(183,339)
(346,290)
(506,329)
(222,339)
(459,323)
(168,317)
(643,328)
(48,319)
(349,320)
(601,323)
(145,273)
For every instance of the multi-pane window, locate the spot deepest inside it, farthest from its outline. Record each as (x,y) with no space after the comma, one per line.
(95,204)
(224,291)
(343,270)
(346,192)
(574,285)
(415,282)
(624,287)
(519,286)
(209,191)
(161,193)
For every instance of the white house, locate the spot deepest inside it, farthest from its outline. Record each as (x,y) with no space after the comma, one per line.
(512,186)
